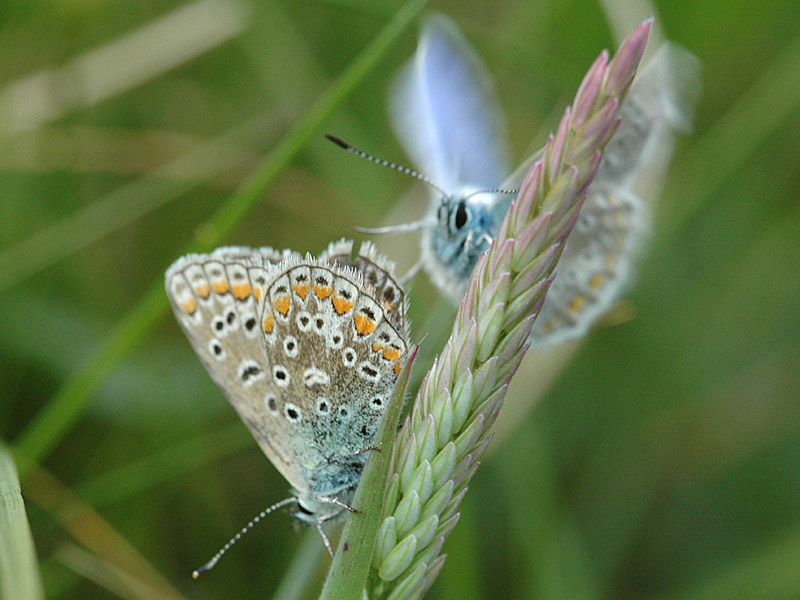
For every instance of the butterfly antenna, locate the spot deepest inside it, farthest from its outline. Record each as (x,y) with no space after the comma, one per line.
(386,163)
(494,191)
(210,564)
(402,228)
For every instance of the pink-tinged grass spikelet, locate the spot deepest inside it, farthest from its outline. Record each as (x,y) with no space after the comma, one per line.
(438,448)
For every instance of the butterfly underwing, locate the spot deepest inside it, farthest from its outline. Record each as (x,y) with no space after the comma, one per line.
(307,350)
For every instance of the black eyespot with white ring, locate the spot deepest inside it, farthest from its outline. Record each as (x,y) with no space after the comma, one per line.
(232,319)
(349,357)
(377,404)
(290,347)
(303,320)
(320,323)
(334,339)
(292,413)
(217,350)
(218,326)
(250,325)
(323,407)
(280,376)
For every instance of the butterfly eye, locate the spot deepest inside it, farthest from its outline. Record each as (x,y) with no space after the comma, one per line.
(461,217)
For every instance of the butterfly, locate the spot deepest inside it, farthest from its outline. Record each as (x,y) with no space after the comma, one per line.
(445,112)
(307,350)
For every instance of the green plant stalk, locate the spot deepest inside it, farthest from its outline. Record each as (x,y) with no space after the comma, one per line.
(350,565)
(19,572)
(71,399)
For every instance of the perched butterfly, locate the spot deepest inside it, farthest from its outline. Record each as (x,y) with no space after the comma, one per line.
(445,112)
(306,350)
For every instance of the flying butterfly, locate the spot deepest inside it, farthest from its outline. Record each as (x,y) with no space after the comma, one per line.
(445,112)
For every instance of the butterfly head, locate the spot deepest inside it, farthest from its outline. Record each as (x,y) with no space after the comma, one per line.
(463,227)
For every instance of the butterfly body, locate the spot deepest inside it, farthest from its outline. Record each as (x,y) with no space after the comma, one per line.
(306,350)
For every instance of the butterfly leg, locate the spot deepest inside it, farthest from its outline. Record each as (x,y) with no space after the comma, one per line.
(412,272)
(325,539)
(337,502)
(356,453)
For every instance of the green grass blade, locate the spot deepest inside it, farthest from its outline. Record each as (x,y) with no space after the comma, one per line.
(110,576)
(19,573)
(766,106)
(126,204)
(71,399)
(348,572)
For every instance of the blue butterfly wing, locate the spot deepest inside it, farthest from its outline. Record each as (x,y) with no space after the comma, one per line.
(445,112)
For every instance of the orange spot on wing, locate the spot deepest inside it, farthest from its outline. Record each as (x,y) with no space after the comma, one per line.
(388,306)
(220,286)
(257,293)
(269,323)
(301,289)
(281,304)
(203,290)
(576,304)
(391,353)
(364,325)
(189,306)
(595,282)
(242,291)
(397,368)
(322,292)
(341,304)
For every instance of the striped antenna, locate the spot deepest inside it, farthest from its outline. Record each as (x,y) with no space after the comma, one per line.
(385,163)
(210,564)
(494,191)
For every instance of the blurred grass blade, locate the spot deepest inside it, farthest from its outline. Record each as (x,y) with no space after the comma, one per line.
(121,64)
(97,535)
(19,572)
(93,568)
(125,205)
(70,401)
(348,572)
(303,570)
(766,105)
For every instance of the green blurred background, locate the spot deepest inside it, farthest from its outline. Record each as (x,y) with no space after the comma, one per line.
(663,462)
